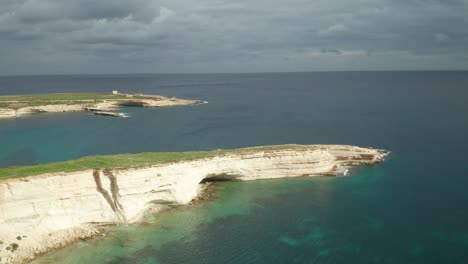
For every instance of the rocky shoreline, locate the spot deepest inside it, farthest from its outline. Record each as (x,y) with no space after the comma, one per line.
(99,107)
(54,210)
(207,193)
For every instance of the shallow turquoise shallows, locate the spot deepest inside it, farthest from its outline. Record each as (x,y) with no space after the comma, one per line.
(410,209)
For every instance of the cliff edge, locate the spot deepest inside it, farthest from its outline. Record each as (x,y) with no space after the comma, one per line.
(39,213)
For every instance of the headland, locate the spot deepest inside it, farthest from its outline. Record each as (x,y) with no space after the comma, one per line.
(49,206)
(20,105)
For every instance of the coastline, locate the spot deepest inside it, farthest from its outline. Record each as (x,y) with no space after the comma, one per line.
(100,104)
(48,208)
(206,194)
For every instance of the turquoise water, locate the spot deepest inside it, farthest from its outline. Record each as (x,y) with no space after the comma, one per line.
(139,243)
(409,209)
(356,219)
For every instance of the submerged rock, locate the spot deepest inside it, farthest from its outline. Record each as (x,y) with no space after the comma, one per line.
(114,114)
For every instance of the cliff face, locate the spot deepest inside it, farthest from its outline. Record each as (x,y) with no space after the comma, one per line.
(43,212)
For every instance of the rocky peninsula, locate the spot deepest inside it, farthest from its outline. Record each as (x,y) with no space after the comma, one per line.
(49,206)
(20,105)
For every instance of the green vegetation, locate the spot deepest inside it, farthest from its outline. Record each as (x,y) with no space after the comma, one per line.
(125,161)
(14,247)
(18,101)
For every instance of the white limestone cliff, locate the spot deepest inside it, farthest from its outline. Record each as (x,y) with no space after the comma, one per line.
(44,212)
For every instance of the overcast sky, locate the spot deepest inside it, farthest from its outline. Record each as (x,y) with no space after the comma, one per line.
(151,36)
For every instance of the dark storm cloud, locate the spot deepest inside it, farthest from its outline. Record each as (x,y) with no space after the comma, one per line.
(47,36)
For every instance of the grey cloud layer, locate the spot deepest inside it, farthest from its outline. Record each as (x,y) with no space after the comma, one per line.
(75,36)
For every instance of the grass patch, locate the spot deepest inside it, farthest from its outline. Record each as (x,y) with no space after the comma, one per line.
(59,96)
(18,101)
(126,161)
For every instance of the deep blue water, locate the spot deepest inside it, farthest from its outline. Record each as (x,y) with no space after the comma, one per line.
(410,209)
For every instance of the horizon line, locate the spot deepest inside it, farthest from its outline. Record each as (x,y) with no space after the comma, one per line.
(226,73)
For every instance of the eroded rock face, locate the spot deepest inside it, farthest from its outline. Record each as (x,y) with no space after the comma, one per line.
(50,211)
(7,113)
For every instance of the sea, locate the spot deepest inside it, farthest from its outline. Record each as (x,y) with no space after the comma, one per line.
(413,208)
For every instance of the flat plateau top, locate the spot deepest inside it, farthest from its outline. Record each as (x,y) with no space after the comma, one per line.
(139,160)
(18,101)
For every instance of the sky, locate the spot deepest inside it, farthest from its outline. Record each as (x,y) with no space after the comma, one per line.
(203,36)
